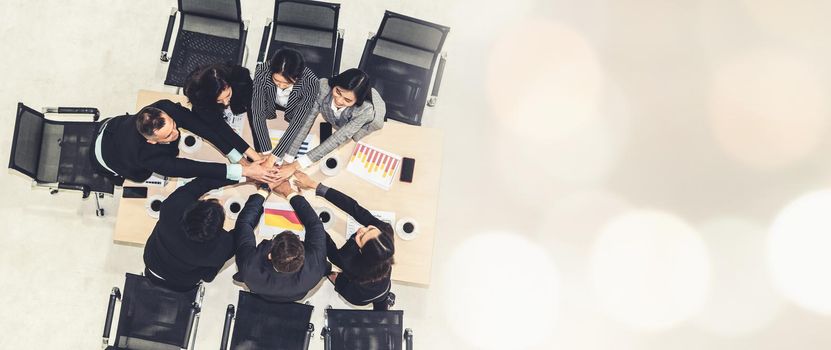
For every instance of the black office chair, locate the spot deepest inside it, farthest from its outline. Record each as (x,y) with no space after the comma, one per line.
(400,58)
(310,27)
(153,317)
(261,324)
(56,154)
(365,329)
(210,31)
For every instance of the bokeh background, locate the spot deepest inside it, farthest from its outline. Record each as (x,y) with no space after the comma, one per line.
(634,174)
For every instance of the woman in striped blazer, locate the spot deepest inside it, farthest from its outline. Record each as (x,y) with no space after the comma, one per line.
(284,84)
(351,105)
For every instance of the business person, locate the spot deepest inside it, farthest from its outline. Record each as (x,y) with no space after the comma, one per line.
(283,84)
(136,146)
(281,269)
(217,93)
(188,243)
(350,104)
(367,256)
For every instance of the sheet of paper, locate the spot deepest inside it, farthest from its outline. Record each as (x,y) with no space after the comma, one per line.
(181,181)
(276,135)
(235,121)
(278,217)
(374,165)
(352,225)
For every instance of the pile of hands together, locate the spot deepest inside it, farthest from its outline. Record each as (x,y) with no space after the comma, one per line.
(265,170)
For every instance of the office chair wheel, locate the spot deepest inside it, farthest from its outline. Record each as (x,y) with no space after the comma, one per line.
(99,212)
(100,195)
(53,192)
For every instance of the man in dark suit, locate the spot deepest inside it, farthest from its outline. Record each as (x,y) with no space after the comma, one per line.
(188,243)
(281,269)
(136,146)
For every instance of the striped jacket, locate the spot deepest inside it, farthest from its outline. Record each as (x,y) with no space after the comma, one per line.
(263,106)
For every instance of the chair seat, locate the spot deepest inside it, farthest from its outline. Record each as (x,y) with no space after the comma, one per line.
(193,50)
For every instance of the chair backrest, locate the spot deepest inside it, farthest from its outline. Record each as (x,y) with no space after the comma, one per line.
(409,40)
(309,27)
(56,152)
(27,141)
(228,10)
(153,317)
(365,329)
(261,324)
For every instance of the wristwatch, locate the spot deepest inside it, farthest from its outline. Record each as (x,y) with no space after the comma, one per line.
(263,190)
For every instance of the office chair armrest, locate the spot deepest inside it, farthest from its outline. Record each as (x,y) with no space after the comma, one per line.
(115,294)
(226,330)
(243,38)
(264,42)
(365,54)
(338,52)
(325,335)
(309,332)
(74,110)
(408,338)
(437,84)
(168,33)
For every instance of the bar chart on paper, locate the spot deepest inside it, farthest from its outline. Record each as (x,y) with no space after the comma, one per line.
(374,165)
(278,217)
(275,136)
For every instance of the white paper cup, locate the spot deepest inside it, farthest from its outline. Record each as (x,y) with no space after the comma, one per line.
(331,165)
(154,205)
(406,229)
(190,143)
(326,216)
(233,206)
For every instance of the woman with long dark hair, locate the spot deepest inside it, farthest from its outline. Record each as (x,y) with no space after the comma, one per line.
(367,256)
(218,93)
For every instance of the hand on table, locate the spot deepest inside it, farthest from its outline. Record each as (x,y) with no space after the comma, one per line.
(303,181)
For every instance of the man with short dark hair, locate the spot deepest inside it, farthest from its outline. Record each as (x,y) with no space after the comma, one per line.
(188,243)
(136,146)
(281,269)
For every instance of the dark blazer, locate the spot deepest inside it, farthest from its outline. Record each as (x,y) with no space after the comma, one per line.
(127,152)
(174,257)
(212,115)
(346,257)
(257,272)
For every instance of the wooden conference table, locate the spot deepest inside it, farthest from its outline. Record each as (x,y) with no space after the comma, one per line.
(416,200)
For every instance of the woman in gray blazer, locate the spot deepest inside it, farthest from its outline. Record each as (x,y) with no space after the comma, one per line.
(351,105)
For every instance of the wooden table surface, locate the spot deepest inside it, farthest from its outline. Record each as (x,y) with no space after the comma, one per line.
(417,200)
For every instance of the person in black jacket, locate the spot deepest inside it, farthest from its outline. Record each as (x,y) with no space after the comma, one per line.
(217,93)
(282,269)
(188,243)
(366,258)
(136,146)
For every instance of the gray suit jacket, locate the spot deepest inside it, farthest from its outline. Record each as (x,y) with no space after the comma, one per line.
(355,122)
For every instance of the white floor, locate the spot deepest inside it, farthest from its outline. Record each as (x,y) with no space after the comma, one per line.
(699,122)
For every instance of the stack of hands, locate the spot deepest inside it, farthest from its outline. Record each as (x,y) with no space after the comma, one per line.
(265,170)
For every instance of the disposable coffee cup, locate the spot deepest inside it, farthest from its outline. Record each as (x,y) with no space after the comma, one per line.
(233,206)
(330,166)
(190,143)
(406,229)
(154,205)
(325,215)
